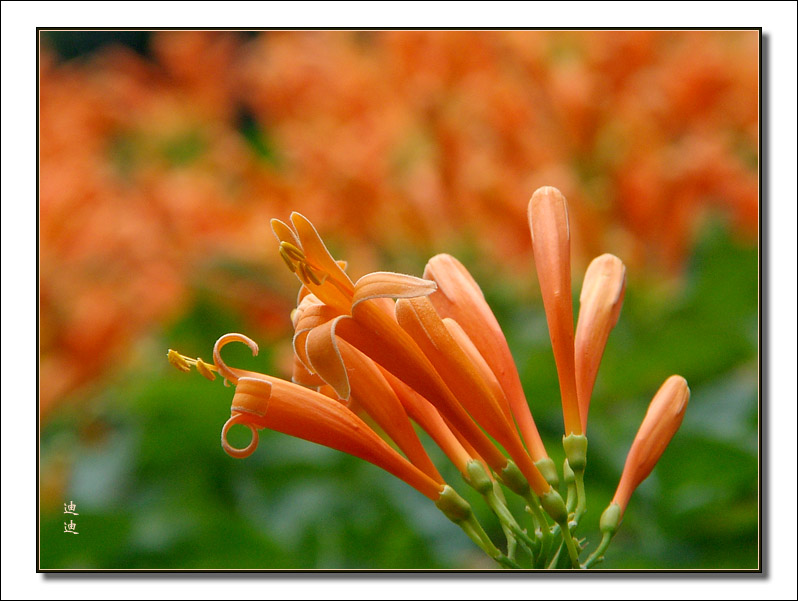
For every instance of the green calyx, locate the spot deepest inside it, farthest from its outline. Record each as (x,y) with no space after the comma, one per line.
(514,479)
(453,506)
(575,446)
(610,519)
(553,504)
(567,473)
(549,471)
(478,478)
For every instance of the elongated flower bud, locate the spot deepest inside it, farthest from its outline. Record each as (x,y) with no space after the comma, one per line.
(663,418)
(551,244)
(600,305)
(460,298)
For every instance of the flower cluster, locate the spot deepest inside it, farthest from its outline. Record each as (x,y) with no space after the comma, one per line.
(393,350)
(152,164)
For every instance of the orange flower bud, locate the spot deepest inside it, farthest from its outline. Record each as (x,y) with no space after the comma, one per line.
(551,244)
(600,305)
(663,418)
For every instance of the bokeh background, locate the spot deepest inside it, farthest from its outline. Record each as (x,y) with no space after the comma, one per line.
(163,155)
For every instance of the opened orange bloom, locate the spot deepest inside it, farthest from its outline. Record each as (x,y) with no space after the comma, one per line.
(357,314)
(261,401)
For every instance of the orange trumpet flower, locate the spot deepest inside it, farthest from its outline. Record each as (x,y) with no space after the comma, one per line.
(262,401)
(357,313)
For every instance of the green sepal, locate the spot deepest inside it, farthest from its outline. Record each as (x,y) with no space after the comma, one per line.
(453,506)
(575,446)
(478,478)
(549,471)
(567,473)
(514,479)
(553,504)
(610,519)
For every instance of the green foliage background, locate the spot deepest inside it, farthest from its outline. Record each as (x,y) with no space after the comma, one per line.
(155,490)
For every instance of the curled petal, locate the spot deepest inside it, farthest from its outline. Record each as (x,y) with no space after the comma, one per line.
(303,376)
(238,418)
(325,358)
(296,411)
(386,284)
(224,370)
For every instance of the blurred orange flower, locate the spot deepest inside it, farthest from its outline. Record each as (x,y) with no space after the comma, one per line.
(149,166)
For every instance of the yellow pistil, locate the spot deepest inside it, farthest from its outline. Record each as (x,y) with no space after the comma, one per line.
(184,363)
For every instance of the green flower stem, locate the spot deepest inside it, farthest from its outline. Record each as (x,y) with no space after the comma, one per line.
(608,524)
(475,532)
(570,545)
(508,521)
(553,563)
(457,509)
(533,507)
(581,503)
(570,481)
(575,446)
(598,555)
(511,542)
(479,480)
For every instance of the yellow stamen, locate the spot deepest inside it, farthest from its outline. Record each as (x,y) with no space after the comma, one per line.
(310,274)
(206,369)
(184,363)
(292,251)
(178,360)
(287,258)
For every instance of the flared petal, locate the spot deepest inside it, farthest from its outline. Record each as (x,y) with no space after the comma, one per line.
(321,348)
(316,252)
(386,284)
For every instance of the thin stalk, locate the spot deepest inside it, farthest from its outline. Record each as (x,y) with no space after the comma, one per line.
(598,555)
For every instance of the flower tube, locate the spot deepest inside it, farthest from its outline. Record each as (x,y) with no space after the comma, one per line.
(662,420)
(551,245)
(600,305)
